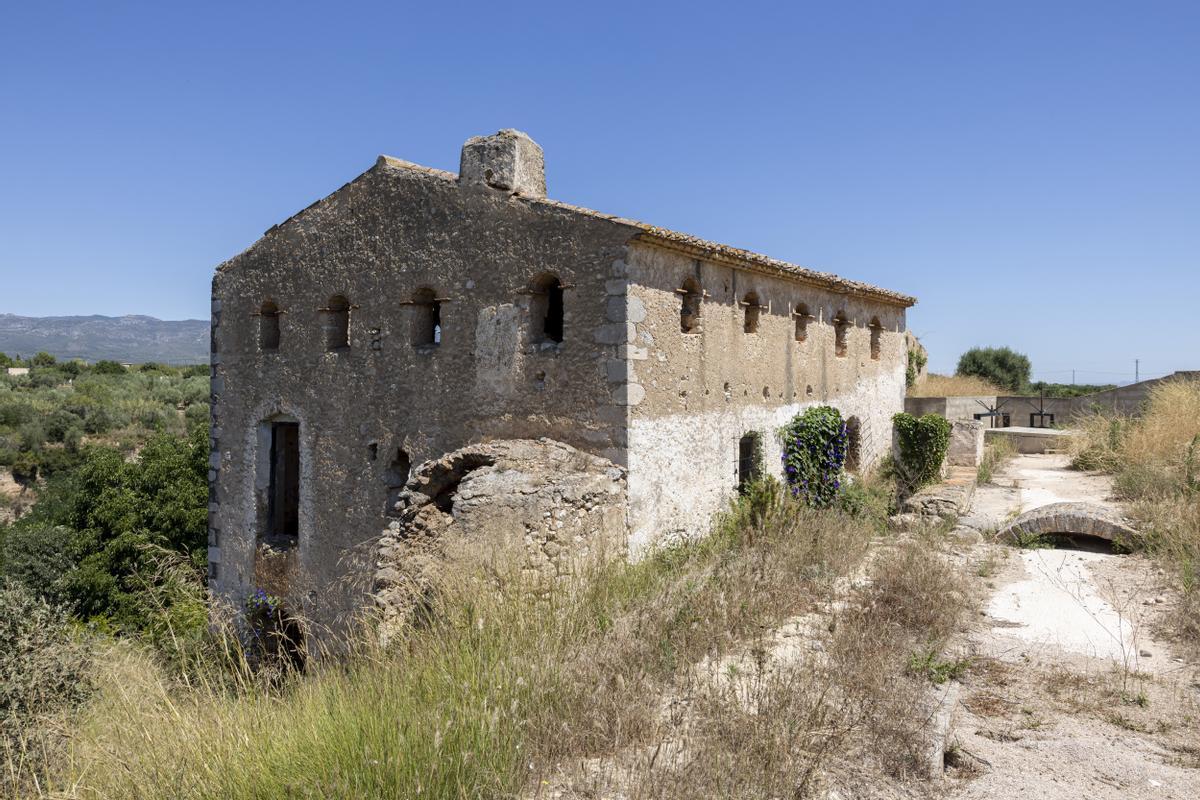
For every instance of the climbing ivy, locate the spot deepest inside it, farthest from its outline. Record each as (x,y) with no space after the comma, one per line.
(814,452)
(923,444)
(916,362)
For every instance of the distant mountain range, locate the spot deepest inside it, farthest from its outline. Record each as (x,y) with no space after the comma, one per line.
(132,338)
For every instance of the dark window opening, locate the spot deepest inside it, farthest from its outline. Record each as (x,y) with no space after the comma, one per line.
(689,312)
(268,326)
(750,324)
(1041,420)
(876,339)
(396,477)
(802,318)
(427,319)
(336,322)
(747,471)
(283,513)
(841,329)
(546,309)
(853,444)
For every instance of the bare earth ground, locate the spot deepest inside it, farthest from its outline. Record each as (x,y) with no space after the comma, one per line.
(1074,690)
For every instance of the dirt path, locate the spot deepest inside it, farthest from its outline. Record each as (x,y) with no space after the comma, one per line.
(1074,689)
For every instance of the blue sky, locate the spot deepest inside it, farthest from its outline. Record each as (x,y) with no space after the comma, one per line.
(1029,170)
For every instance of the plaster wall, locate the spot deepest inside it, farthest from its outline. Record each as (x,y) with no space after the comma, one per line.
(699,393)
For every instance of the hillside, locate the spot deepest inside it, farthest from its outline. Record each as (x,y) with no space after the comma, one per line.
(132,338)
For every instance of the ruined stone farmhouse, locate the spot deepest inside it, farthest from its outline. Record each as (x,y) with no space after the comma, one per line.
(415,311)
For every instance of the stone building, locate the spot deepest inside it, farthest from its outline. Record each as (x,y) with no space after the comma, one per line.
(414,311)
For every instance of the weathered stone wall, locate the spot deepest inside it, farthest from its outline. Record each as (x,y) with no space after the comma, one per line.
(625,383)
(397,229)
(552,507)
(698,393)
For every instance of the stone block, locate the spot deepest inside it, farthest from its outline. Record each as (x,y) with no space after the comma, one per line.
(615,333)
(629,395)
(966,444)
(619,370)
(508,160)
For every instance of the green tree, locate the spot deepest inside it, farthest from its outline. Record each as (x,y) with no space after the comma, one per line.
(1000,365)
(119,516)
(44,359)
(105,367)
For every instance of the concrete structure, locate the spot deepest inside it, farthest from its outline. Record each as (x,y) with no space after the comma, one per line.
(1035,412)
(1032,440)
(415,311)
(17,371)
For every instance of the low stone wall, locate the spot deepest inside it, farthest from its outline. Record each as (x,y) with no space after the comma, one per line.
(546,505)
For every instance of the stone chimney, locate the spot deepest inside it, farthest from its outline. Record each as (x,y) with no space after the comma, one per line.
(508,160)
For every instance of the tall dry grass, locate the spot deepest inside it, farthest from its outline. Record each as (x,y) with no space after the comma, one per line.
(509,686)
(954,386)
(1155,459)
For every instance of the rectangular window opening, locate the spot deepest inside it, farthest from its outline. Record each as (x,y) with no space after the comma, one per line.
(283,515)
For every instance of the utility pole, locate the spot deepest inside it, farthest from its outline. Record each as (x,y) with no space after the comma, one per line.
(1072,377)
(1137,370)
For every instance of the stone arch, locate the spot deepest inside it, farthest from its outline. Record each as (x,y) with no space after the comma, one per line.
(1081,519)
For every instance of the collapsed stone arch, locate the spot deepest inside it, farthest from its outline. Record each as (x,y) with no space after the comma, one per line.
(1081,519)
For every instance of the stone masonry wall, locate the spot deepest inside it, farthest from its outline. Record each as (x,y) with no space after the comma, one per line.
(551,507)
(395,230)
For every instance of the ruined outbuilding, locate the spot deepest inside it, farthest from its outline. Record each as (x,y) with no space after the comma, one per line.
(414,312)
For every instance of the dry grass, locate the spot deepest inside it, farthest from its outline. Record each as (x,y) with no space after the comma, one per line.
(510,686)
(954,386)
(997,451)
(1156,462)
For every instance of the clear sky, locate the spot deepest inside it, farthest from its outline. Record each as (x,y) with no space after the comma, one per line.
(1029,170)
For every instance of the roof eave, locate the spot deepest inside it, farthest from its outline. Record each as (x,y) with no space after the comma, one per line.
(755,262)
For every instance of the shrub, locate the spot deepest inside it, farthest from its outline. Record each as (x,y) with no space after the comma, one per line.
(15,413)
(43,359)
(105,367)
(814,452)
(58,422)
(37,558)
(41,668)
(923,444)
(999,365)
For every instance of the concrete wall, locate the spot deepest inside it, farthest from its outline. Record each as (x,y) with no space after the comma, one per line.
(952,408)
(701,392)
(377,240)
